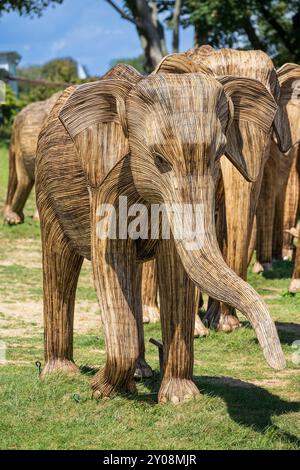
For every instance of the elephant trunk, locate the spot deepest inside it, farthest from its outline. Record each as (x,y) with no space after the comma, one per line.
(209,272)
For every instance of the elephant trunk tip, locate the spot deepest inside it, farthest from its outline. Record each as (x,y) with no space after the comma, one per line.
(275,357)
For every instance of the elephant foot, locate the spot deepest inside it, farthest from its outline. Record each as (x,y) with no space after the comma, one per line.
(212,315)
(12,218)
(228,323)
(107,386)
(177,390)
(143,370)
(200,330)
(294,286)
(287,254)
(261,267)
(221,317)
(36,216)
(64,366)
(151,312)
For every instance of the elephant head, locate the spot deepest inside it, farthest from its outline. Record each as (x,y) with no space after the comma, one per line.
(176,126)
(230,66)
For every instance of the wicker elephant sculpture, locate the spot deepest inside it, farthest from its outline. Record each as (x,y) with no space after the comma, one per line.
(151,140)
(22,154)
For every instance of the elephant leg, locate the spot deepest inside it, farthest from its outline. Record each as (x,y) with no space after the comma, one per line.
(291,205)
(114,267)
(294,286)
(252,243)
(143,370)
(12,177)
(265,215)
(200,328)
(14,214)
(36,216)
(149,293)
(61,269)
(177,306)
(221,316)
(240,203)
(278,228)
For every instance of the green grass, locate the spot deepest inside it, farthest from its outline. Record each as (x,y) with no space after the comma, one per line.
(244,404)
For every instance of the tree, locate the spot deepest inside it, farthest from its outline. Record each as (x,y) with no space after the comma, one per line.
(270,25)
(60,70)
(176,25)
(26,7)
(143,14)
(8,111)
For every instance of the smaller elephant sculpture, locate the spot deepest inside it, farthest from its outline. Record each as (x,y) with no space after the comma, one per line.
(278,200)
(22,152)
(153,140)
(239,196)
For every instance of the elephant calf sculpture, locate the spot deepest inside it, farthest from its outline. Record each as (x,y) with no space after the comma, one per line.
(154,140)
(22,153)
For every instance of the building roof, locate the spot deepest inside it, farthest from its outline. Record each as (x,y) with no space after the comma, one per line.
(11,55)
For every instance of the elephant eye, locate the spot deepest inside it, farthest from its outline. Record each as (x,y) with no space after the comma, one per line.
(162,163)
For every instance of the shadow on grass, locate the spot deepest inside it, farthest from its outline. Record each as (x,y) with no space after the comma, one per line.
(248,404)
(281,270)
(87,370)
(287,331)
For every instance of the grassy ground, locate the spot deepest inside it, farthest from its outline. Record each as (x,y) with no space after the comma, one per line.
(245,405)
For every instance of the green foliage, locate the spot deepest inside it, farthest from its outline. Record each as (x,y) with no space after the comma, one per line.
(57,70)
(8,110)
(27,7)
(60,70)
(136,62)
(32,72)
(270,25)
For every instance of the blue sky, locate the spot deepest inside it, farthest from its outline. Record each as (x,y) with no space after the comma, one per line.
(90,31)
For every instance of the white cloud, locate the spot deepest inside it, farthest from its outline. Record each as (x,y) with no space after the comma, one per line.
(58,45)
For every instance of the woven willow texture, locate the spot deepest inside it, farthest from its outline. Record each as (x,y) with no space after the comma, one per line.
(235,220)
(278,201)
(156,139)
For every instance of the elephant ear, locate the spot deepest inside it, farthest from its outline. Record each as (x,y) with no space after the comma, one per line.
(249,131)
(180,63)
(95,118)
(289,80)
(123,71)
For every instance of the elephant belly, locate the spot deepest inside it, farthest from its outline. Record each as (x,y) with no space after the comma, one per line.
(73,210)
